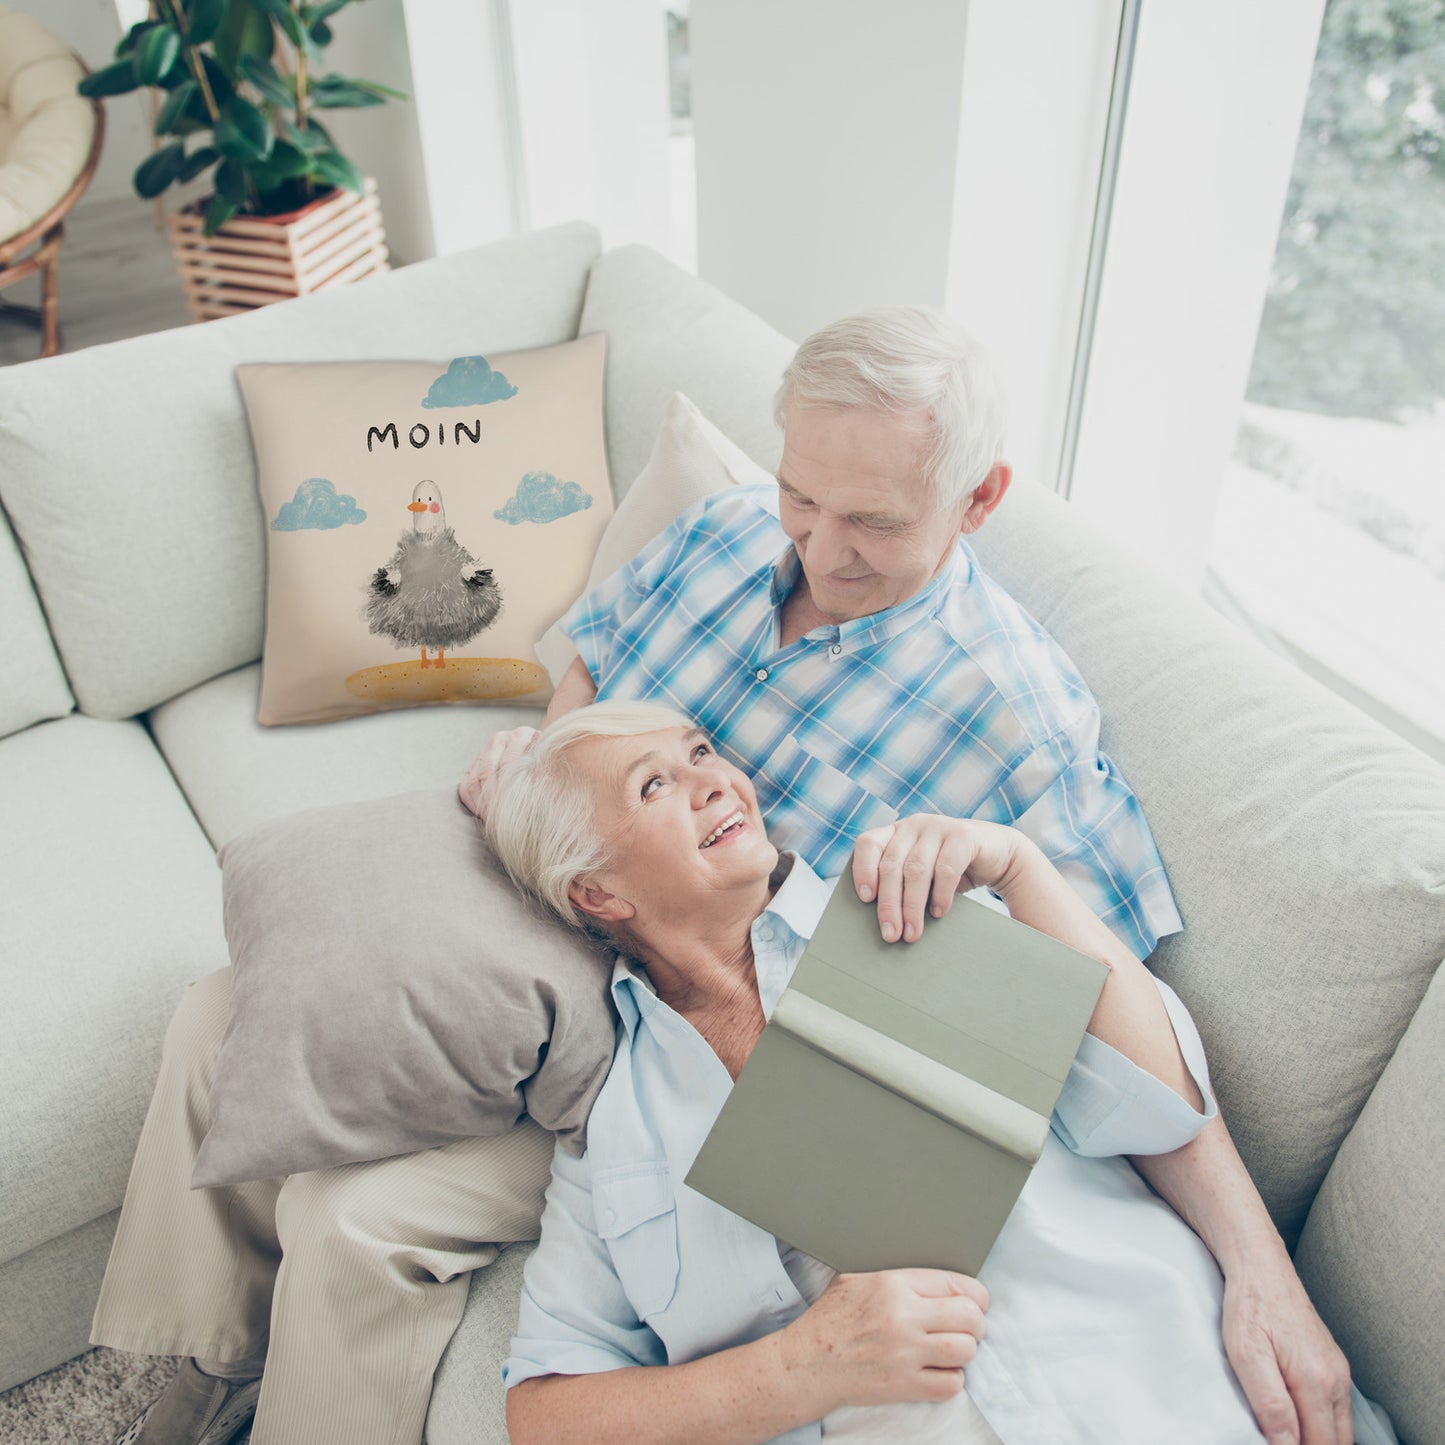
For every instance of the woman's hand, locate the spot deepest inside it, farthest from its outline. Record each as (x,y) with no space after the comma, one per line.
(476,787)
(899,1334)
(918,864)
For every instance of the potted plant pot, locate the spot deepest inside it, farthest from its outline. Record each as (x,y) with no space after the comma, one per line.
(251,261)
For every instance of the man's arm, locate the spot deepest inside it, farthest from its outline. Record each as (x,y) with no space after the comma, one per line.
(1295,1377)
(575,690)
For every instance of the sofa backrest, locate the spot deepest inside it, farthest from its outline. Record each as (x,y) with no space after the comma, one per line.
(667,332)
(1302,840)
(128,473)
(32,682)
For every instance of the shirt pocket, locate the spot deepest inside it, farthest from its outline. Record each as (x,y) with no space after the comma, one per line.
(636,1212)
(817,810)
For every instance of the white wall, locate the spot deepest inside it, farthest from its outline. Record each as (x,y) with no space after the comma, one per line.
(384,140)
(460,144)
(593,113)
(827,142)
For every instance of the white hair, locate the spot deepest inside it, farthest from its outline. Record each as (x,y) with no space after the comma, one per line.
(908,360)
(542,821)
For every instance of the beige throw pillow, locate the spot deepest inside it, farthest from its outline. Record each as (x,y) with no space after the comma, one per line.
(426,522)
(691,459)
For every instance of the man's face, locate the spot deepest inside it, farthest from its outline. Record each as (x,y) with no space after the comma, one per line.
(853,500)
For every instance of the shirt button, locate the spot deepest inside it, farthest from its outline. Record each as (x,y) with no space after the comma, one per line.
(765,933)
(761,674)
(836,648)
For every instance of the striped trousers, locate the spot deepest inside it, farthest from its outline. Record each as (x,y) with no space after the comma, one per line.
(349,1281)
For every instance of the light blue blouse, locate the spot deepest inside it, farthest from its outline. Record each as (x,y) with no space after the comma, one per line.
(1105,1316)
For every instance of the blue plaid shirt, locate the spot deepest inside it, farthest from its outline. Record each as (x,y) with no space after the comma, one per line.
(954,702)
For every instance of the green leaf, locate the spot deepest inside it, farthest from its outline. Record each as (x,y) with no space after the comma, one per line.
(131,38)
(157,171)
(222,85)
(312,140)
(231,182)
(203,19)
(117,79)
(158,50)
(218,213)
(287,162)
(324,11)
(378,89)
(174,109)
(242,132)
(244,31)
(333,92)
(285,17)
(278,89)
(320,35)
(333,168)
(197,161)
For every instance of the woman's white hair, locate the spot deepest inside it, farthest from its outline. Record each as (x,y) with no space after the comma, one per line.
(908,360)
(542,821)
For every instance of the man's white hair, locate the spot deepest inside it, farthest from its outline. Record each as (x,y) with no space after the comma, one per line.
(908,360)
(542,821)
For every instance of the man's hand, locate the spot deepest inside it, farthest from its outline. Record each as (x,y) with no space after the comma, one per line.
(916,865)
(1295,1377)
(476,787)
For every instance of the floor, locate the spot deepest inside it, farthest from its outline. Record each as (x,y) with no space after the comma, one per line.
(116,279)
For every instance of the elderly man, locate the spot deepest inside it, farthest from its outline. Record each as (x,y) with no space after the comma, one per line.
(838,640)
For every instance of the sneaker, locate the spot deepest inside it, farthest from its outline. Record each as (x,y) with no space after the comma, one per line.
(194,1409)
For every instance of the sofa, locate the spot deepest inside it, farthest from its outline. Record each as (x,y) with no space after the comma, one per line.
(1305,845)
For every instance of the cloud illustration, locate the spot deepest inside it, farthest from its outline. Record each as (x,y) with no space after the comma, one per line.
(317,506)
(469,381)
(540,497)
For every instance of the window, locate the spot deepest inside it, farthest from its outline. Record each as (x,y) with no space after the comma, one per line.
(1329,534)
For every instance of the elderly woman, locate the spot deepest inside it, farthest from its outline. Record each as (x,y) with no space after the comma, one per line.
(654,1314)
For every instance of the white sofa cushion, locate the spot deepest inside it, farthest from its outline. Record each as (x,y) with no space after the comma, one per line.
(149,554)
(35,688)
(236,773)
(110,906)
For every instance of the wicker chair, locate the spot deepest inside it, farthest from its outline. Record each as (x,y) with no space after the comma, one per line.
(50,140)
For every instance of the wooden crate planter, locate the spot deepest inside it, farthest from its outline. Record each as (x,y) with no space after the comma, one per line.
(255,260)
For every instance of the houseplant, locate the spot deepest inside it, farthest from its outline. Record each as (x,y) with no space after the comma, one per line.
(239,85)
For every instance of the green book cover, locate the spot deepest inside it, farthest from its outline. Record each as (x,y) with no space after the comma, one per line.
(900,1094)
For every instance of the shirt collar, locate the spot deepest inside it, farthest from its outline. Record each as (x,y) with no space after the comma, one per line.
(780,932)
(879,626)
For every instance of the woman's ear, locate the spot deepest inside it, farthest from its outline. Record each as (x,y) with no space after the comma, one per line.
(596,902)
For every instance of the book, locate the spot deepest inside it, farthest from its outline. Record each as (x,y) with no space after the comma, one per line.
(893,1107)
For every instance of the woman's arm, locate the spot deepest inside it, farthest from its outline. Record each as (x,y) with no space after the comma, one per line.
(870,1339)
(917,865)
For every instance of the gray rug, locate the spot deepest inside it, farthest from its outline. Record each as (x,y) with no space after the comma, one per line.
(86,1402)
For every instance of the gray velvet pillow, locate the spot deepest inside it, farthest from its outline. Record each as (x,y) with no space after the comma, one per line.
(393,992)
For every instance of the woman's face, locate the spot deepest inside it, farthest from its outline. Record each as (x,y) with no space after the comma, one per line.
(681,823)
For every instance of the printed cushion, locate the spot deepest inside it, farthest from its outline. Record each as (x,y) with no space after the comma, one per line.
(426,522)
(393,992)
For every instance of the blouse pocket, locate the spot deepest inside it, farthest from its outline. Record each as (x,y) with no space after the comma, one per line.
(637,1217)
